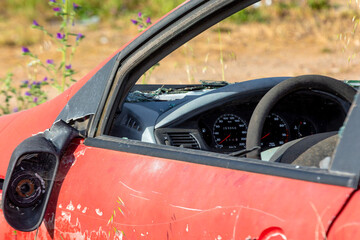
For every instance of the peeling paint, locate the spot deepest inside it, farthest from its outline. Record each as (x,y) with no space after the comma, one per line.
(187,228)
(66,216)
(98,212)
(74,231)
(78,207)
(70,206)
(84,210)
(60,206)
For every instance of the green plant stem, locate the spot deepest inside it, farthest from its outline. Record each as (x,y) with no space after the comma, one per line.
(221,54)
(64,52)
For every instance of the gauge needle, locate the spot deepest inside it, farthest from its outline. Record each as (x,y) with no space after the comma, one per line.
(265,136)
(224,139)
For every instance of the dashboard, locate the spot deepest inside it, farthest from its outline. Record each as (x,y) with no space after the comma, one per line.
(218,120)
(297,116)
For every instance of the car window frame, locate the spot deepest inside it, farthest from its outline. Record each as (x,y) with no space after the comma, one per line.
(181,25)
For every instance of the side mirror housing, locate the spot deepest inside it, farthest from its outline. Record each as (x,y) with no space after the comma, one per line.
(31,174)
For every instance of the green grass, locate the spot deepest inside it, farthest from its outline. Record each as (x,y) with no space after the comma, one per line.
(319,4)
(250,15)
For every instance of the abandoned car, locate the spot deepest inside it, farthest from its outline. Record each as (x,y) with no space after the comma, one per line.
(270,158)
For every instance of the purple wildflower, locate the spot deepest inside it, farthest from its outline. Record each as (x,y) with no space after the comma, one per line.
(28,94)
(60,35)
(54,1)
(35,23)
(134,21)
(79,36)
(35,99)
(68,67)
(148,20)
(57,9)
(45,79)
(139,14)
(15,109)
(25,50)
(25,82)
(50,61)
(75,6)
(141,26)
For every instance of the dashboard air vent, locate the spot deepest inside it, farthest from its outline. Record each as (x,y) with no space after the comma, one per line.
(183,139)
(132,123)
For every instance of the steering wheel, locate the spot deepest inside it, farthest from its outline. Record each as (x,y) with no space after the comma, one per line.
(288,86)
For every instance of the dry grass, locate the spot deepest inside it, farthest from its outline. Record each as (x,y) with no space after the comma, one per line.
(294,42)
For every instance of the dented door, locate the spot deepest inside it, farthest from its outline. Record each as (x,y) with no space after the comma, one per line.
(102,193)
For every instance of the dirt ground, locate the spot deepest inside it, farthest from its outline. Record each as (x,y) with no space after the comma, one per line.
(286,47)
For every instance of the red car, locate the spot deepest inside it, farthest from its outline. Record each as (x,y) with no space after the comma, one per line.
(266,159)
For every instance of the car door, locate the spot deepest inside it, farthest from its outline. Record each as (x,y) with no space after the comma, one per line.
(105,189)
(121,188)
(109,187)
(142,190)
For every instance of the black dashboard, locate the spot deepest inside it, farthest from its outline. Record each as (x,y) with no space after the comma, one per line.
(224,129)
(218,120)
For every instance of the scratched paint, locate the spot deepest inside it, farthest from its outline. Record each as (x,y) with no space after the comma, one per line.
(70,206)
(84,210)
(81,152)
(151,202)
(98,212)
(273,233)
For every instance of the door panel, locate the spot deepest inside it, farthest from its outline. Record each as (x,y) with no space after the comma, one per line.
(347,225)
(105,192)
(157,198)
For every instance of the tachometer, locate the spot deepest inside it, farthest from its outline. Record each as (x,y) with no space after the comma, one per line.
(229,132)
(275,132)
(303,127)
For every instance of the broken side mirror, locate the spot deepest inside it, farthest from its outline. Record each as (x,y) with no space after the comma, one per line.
(31,174)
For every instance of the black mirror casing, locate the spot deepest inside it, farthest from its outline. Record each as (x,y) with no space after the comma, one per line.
(31,174)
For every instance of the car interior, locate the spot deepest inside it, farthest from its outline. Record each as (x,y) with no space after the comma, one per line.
(286,119)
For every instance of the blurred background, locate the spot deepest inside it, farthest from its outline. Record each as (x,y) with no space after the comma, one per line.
(282,38)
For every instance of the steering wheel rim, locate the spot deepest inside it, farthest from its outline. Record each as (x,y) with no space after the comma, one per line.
(281,90)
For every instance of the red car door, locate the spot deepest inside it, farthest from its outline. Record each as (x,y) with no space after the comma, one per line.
(107,192)
(113,188)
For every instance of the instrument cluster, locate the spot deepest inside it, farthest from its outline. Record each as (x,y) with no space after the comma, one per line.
(225,129)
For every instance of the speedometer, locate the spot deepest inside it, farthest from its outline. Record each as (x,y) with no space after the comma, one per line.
(275,132)
(229,132)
